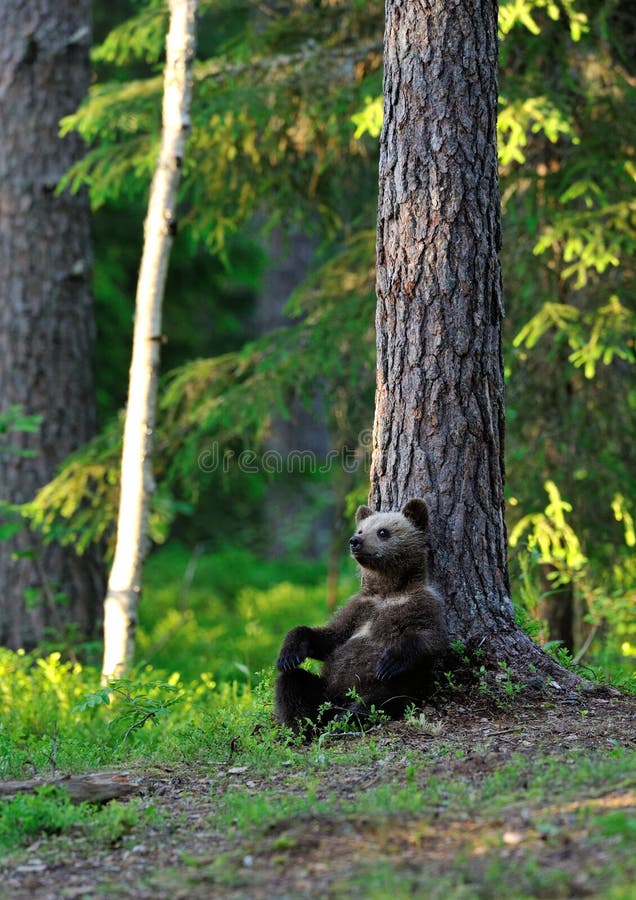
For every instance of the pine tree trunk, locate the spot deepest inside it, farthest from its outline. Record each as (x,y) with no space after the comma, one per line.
(439,425)
(137,482)
(46,313)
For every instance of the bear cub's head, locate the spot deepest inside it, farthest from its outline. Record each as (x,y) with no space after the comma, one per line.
(392,542)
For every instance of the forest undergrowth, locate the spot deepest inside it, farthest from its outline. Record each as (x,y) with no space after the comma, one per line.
(493,789)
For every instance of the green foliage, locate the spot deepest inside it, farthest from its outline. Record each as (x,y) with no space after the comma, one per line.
(612,603)
(519,120)
(141,37)
(569,225)
(526,607)
(234,397)
(589,241)
(13,422)
(268,148)
(256,117)
(207,305)
(54,717)
(550,535)
(36,692)
(547,547)
(561,654)
(528,14)
(621,509)
(80,505)
(49,811)
(229,402)
(610,334)
(369,119)
(510,686)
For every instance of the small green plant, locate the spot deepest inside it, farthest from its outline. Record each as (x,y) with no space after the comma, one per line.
(371,717)
(141,703)
(333,722)
(560,653)
(450,681)
(459,650)
(528,623)
(485,686)
(419,720)
(510,686)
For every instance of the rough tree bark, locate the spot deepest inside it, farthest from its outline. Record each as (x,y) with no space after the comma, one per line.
(439,424)
(46,312)
(137,482)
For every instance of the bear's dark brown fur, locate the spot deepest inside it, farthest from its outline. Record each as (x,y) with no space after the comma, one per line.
(383,642)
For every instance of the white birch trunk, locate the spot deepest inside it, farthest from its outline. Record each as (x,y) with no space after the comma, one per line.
(137,482)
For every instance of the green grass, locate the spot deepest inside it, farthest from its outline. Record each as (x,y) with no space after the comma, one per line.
(530,782)
(414,835)
(201,696)
(231,618)
(50,719)
(418,832)
(49,811)
(212,641)
(207,641)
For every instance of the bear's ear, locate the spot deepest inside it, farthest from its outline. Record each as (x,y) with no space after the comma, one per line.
(363,512)
(416,511)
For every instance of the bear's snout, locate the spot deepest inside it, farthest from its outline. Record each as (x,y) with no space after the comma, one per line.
(355,543)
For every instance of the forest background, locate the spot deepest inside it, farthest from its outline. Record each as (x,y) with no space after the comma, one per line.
(262,454)
(266,403)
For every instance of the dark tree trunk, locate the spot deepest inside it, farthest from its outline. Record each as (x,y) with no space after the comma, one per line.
(46,316)
(439,424)
(290,494)
(557,610)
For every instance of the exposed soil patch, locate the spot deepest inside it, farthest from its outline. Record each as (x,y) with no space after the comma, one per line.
(187,853)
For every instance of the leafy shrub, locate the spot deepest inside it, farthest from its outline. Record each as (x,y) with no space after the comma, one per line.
(232,617)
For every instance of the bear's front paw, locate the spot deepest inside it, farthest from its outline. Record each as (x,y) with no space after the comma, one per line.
(295,649)
(389,666)
(290,660)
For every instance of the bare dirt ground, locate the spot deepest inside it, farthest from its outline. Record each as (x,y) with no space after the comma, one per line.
(187,853)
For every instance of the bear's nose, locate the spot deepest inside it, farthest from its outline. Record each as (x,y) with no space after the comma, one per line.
(355,542)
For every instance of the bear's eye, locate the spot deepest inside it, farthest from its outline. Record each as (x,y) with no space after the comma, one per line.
(384,533)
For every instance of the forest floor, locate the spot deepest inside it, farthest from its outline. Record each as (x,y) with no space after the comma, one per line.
(535,799)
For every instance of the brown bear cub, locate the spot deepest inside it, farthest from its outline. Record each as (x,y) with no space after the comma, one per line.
(383,643)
